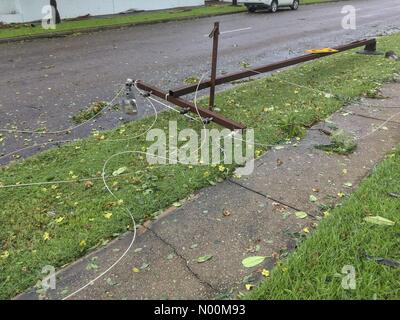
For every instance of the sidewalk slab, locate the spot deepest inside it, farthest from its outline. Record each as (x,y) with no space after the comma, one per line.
(255,226)
(295,173)
(159,278)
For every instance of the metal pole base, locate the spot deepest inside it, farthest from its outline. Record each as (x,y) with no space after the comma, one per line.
(370,49)
(370,53)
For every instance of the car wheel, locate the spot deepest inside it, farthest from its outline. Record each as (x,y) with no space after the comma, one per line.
(251,9)
(295,5)
(274,7)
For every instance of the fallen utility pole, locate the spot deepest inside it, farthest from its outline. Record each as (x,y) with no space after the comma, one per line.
(208,115)
(187,106)
(370,47)
(215,36)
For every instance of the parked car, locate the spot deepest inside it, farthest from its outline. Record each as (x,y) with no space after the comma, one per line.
(271,5)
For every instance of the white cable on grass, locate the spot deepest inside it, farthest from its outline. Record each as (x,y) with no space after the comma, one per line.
(130,244)
(129,212)
(327,94)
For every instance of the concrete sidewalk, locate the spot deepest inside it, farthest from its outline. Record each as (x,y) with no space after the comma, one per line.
(239,217)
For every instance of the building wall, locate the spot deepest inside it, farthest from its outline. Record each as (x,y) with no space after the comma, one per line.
(9,11)
(7,6)
(31,10)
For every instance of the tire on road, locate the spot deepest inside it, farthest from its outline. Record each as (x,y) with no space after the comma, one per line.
(274,6)
(295,5)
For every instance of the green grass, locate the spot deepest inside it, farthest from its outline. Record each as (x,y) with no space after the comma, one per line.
(271,106)
(120,20)
(22,30)
(313,271)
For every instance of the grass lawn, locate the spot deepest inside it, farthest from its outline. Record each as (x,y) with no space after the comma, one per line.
(120,20)
(313,271)
(22,30)
(55,223)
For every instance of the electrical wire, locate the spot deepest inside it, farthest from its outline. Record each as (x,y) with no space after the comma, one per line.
(109,104)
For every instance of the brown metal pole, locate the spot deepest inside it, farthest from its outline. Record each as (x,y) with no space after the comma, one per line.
(371,44)
(215,35)
(205,113)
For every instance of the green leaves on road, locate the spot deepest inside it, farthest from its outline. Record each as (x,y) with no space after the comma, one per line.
(251,262)
(204,258)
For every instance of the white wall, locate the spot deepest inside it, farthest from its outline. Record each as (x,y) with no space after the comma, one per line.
(9,11)
(123,5)
(76,8)
(7,6)
(31,10)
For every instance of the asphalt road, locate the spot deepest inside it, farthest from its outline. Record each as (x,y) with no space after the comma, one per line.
(44,82)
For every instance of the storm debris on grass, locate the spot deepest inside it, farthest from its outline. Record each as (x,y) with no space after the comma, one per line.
(92,111)
(391,55)
(341,143)
(374,94)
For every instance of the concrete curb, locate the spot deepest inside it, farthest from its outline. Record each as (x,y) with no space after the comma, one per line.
(104,28)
